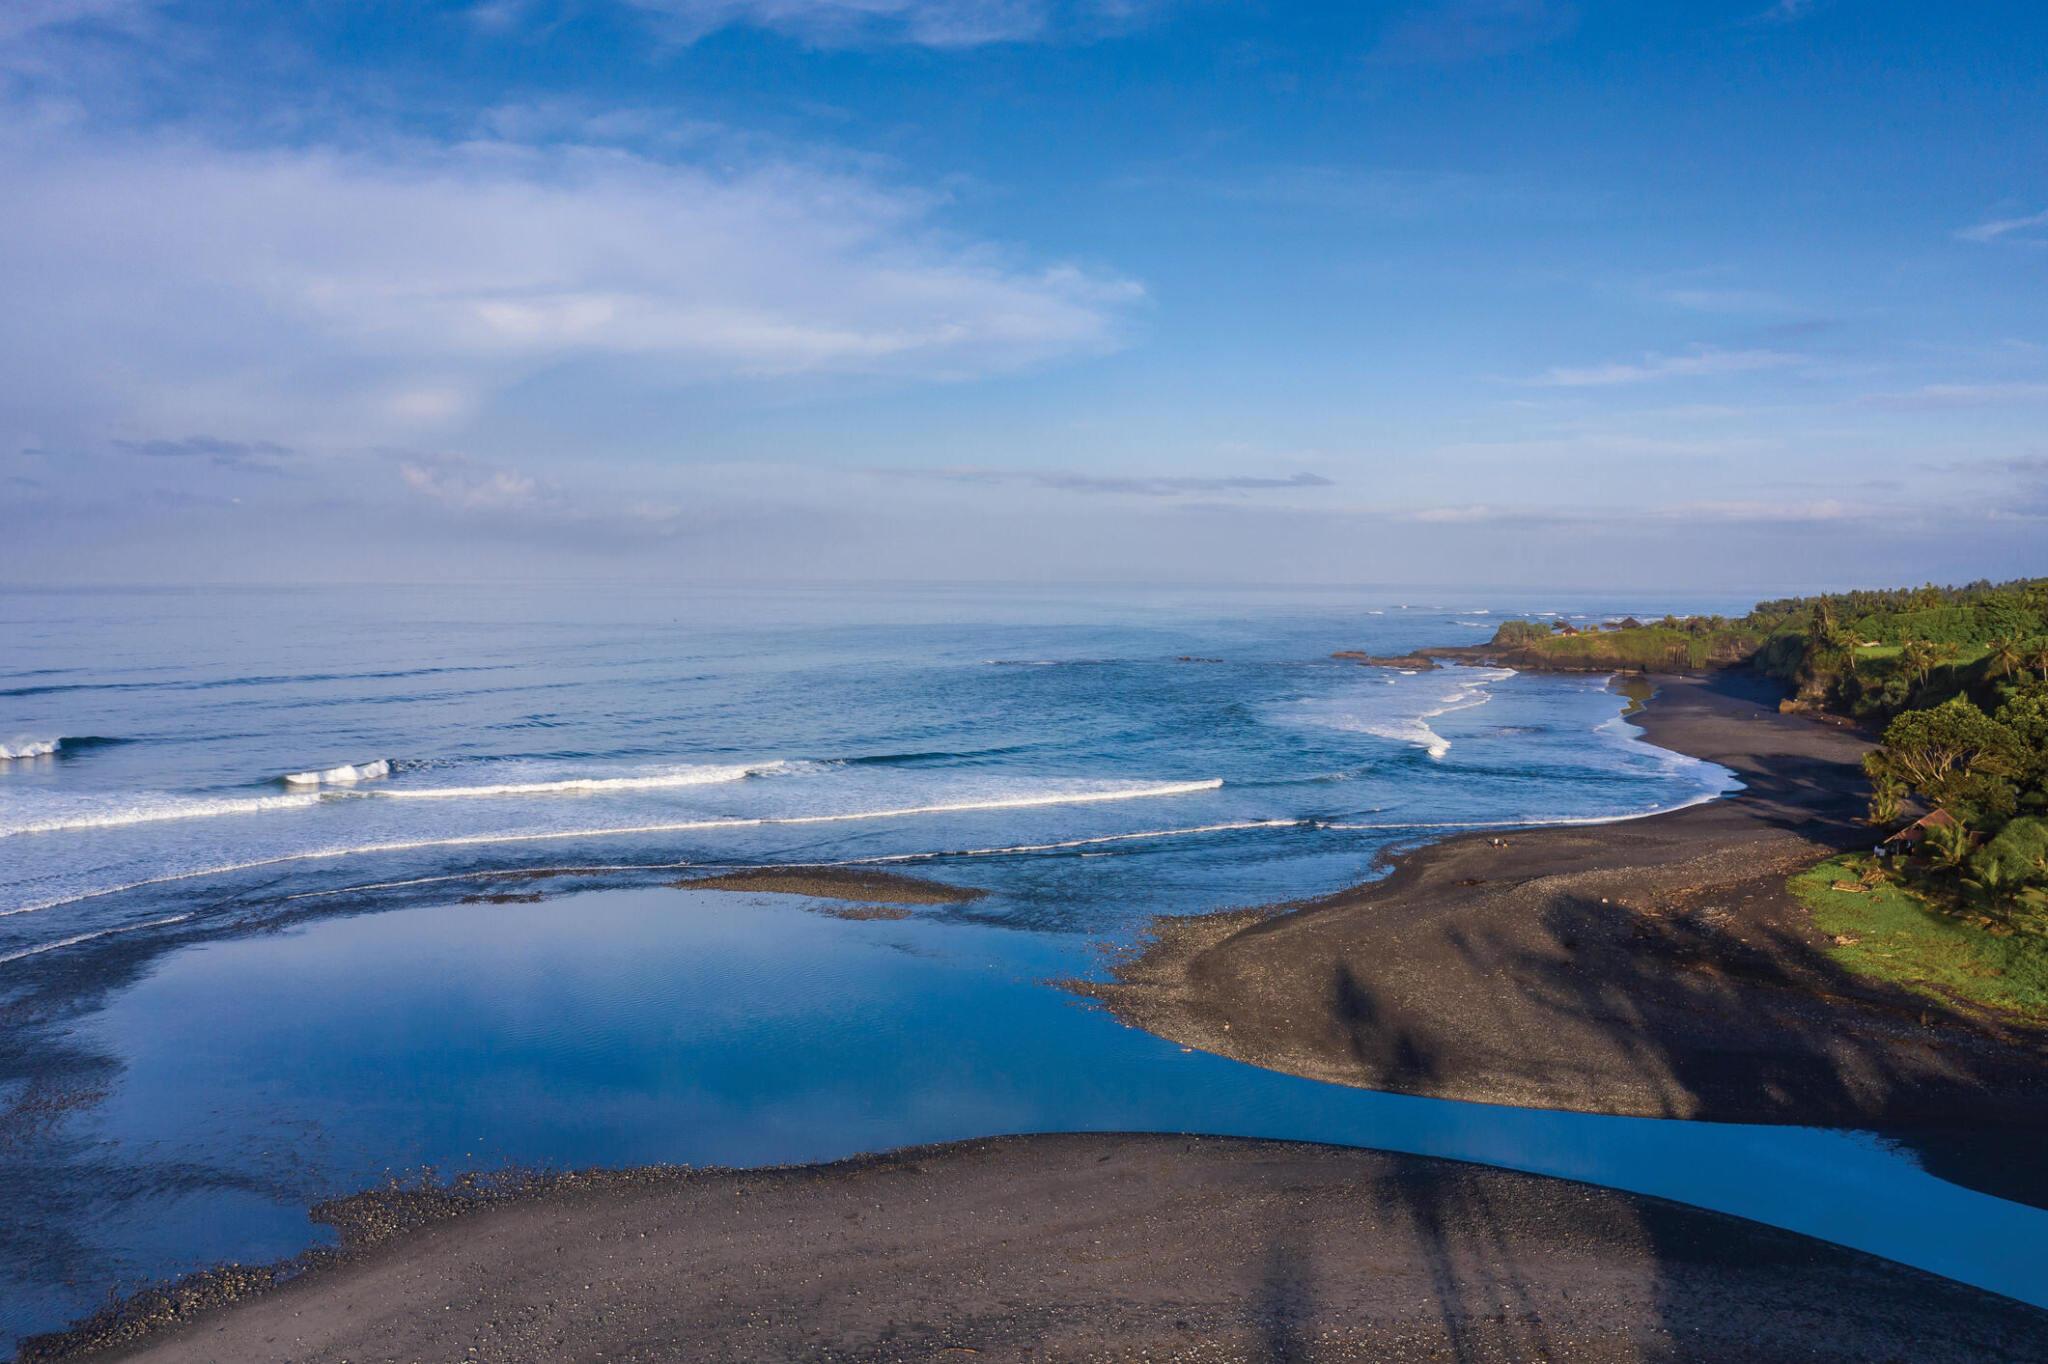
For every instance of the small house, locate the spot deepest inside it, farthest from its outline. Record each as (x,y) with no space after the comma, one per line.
(1909,839)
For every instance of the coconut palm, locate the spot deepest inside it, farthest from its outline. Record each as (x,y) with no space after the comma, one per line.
(2005,656)
(1989,878)
(1917,657)
(1948,844)
(2037,657)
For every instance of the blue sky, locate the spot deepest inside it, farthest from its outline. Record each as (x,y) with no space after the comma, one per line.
(1706,295)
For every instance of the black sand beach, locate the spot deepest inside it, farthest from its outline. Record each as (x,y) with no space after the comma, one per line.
(1656,968)
(1079,1247)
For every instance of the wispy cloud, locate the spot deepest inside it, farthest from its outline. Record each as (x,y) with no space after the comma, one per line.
(469,485)
(18,18)
(1703,362)
(1127,485)
(1767,512)
(226,454)
(927,23)
(1453,31)
(1722,301)
(1786,12)
(1941,396)
(2000,229)
(227,288)
(1379,192)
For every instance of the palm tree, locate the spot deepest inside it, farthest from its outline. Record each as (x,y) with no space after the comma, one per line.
(2037,657)
(2005,656)
(1918,658)
(1989,877)
(1949,844)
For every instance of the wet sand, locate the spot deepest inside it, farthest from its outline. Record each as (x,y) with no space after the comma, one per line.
(1069,1248)
(1657,967)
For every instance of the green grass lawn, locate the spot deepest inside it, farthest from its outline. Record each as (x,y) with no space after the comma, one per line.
(1888,933)
(1968,655)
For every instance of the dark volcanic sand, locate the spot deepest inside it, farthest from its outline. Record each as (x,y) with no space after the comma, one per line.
(1656,967)
(1096,1247)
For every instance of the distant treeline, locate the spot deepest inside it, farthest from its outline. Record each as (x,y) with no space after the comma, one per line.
(1869,655)
(1958,676)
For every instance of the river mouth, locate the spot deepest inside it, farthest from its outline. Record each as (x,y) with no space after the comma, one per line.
(250,1076)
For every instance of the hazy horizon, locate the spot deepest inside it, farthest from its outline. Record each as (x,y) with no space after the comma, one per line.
(1740,298)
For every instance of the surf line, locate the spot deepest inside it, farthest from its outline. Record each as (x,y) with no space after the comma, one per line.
(602,868)
(491,840)
(1066,843)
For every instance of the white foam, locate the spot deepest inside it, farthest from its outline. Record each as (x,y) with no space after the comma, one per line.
(152,809)
(1410,731)
(1468,689)
(345,775)
(1534,822)
(29,748)
(72,941)
(1074,842)
(1149,792)
(654,781)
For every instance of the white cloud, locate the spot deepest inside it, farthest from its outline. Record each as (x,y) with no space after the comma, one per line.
(469,486)
(18,18)
(1703,300)
(1127,485)
(170,283)
(1999,228)
(1786,12)
(929,23)
(1821,509)
(1939,396)
(1700,363)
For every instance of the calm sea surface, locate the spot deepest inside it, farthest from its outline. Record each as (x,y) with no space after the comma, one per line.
(239,972)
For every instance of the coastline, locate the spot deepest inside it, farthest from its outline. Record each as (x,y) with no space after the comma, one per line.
(1087,1246)
(1104,1245)
(1655,967)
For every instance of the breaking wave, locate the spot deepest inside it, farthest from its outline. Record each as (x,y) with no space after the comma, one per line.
(345,775)
(653,781)
(1139,792)
(29,748)
(152,810)
(1469,689)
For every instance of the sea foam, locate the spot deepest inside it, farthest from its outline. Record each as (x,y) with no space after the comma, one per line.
(152,809)
(348,774)
(1082,797)
(570,786)
(29,748)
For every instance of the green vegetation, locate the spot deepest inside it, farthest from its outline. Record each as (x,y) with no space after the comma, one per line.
(1958,677)
(1886,930)
(1866,655)
(1672,644)
(1985,852)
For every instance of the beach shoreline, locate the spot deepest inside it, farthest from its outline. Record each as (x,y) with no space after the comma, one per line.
(1655,967)
(1085,1246)
(1707,941)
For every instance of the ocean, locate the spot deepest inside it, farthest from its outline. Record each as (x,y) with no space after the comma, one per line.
(305,888)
